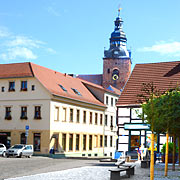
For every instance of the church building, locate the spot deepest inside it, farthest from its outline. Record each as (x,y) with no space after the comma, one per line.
(116,61)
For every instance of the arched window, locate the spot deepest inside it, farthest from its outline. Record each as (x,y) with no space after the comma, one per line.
(115,74)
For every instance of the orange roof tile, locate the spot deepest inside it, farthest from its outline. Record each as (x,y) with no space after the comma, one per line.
(51,80)
(164,75)
(15,70)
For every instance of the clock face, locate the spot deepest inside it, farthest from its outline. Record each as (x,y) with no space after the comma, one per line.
(115,74)
(115,77)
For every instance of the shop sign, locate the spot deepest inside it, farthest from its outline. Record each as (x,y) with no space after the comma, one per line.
(136,126)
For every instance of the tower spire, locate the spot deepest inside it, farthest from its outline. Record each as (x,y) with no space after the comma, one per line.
(117,60)
(118,40)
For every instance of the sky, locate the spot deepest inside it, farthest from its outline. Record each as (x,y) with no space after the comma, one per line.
(70,36)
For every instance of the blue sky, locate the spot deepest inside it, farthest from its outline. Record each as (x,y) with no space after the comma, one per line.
(70,36)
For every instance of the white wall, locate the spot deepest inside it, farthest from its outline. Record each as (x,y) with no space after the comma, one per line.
(29,98)
(73,126)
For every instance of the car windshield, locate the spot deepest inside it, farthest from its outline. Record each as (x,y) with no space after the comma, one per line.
(1,146)
(17,147)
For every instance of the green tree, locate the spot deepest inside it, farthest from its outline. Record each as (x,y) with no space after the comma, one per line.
(146,98)
(165,117)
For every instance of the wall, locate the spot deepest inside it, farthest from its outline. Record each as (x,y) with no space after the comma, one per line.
(16,99)
(124,67)
(59,127)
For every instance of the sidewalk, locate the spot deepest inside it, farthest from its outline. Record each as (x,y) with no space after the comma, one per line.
(100,172)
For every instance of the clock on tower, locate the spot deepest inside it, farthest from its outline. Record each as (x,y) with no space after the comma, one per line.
(117,59)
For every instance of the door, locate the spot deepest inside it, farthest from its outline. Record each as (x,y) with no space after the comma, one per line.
(28,150)
(135,142)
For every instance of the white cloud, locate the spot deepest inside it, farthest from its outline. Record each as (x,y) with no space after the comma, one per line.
(52,51)
(18,52)
(4,32)
(53,11)
(164,48)
(15,47)
(24,41)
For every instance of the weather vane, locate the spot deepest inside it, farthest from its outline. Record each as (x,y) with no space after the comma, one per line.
(119,9)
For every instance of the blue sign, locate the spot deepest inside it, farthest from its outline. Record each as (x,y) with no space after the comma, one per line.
(27,127)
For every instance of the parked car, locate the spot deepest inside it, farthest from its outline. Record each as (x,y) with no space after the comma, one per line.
(19,150)
(2,150)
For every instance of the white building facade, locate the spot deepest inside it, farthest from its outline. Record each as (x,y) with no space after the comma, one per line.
(59,111)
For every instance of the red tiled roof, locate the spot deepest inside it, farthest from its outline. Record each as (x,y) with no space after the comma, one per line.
(114,90)
(164,75)
(15,70)
(50,80)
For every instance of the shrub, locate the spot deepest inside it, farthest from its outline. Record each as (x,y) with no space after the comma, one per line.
(170,150)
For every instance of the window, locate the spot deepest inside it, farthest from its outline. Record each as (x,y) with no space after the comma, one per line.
(78,116)
(64,142)
(23,138)
(112,102)
(56,114)
(23,85)
(62,87)
(8,113)
(84,142)
(111,121)
(77,142)
(101,119)
(96,118)
(37,142)
(70,142)
(96,141)
(64,114)
(107,99)
(90,142)
(115,101)
(105,141)
(108,70)
(90,118)
(71,115)
(12,86)
(101,141)
(106,120)
(23,112)
(37,112)
(2,89)
(84,116)
(111,141)
(33,87)
(76,91)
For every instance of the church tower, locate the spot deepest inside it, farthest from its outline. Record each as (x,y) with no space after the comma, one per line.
(117,60)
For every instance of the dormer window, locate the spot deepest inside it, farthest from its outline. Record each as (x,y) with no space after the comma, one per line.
(64,89)
(76,91)
(23,85)
(12,86)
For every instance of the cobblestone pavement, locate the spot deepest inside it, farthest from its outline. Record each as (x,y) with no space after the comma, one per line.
(18,167)
(94,170)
